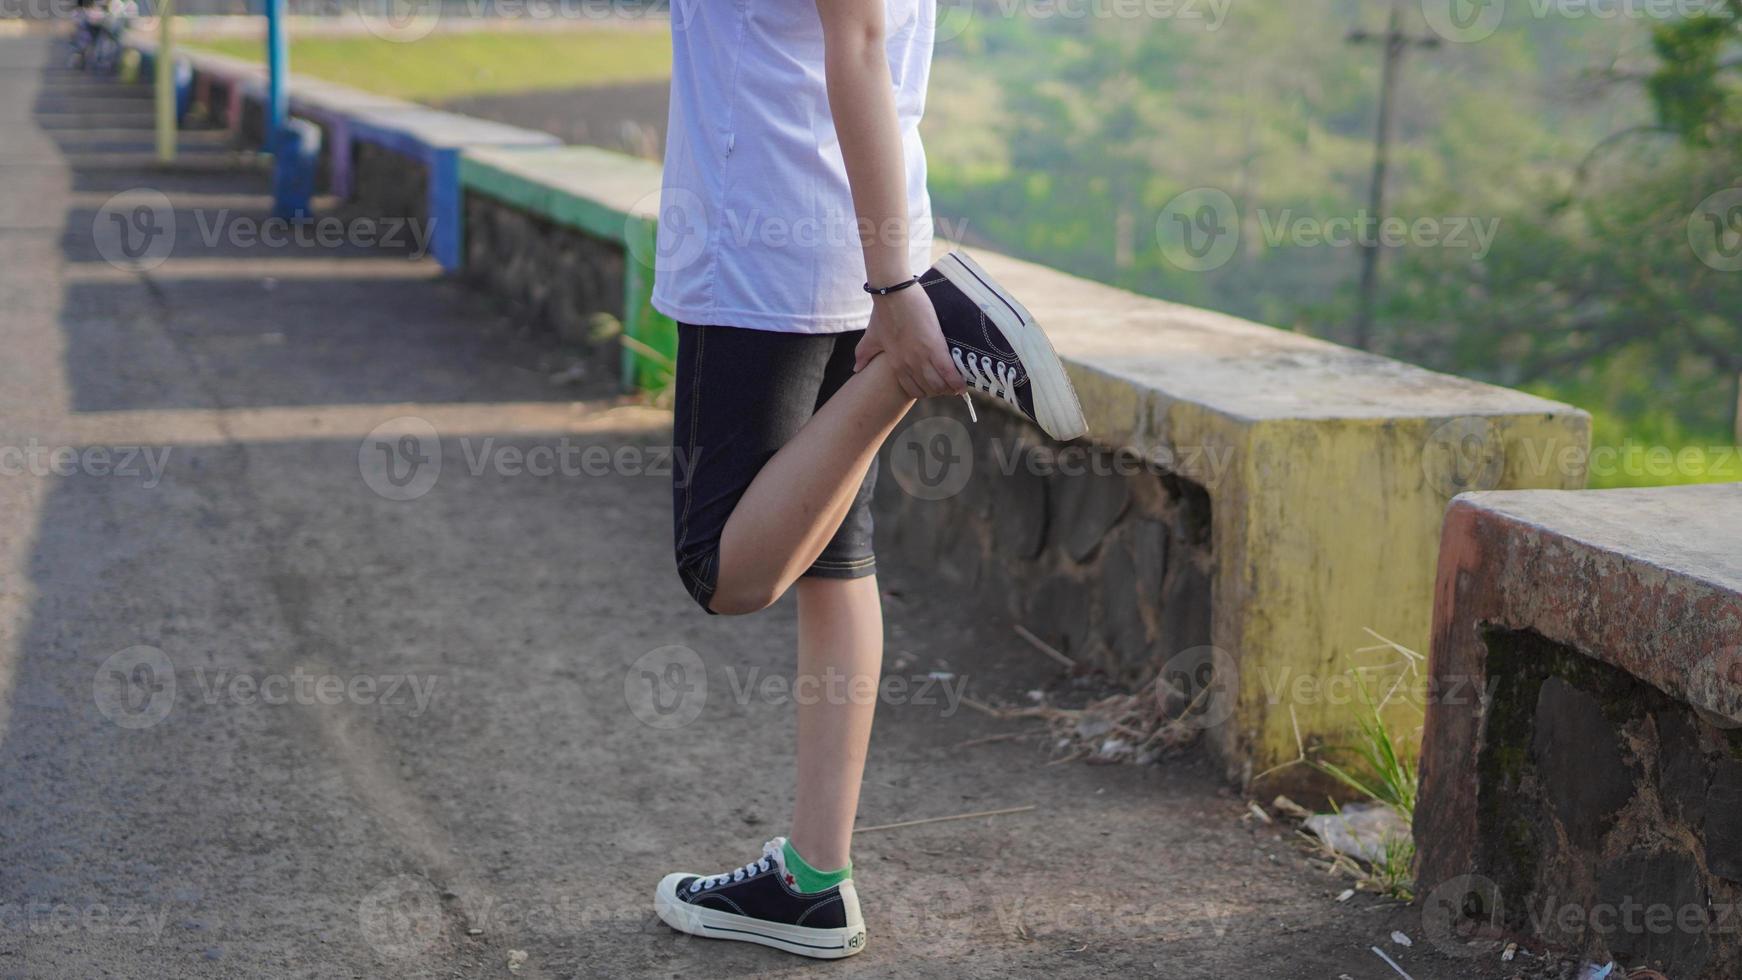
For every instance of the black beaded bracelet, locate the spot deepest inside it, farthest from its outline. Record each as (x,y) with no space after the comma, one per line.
(886,290)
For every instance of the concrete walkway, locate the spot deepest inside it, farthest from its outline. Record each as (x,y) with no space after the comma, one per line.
(259,718)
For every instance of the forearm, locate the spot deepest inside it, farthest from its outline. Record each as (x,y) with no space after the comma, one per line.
(862,100)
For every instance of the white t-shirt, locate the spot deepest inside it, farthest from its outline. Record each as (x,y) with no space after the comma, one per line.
(756,225)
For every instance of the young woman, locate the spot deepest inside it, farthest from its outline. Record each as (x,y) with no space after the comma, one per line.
(793,222)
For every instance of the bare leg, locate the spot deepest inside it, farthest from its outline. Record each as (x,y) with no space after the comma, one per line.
(798,500)
(840,653)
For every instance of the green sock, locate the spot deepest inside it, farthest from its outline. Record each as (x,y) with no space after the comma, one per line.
(808,879)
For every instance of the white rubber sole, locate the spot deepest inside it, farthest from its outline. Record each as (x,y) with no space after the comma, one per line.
(821,944)
(1055,399)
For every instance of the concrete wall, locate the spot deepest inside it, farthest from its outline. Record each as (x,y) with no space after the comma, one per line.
(1582,769)
(1099,554)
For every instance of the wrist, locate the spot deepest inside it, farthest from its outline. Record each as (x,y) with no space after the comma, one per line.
(890,286)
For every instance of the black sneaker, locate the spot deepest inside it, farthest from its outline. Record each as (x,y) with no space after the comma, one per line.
(998,347)
(758,903)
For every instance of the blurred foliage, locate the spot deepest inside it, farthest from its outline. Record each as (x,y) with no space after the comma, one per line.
(1592,141)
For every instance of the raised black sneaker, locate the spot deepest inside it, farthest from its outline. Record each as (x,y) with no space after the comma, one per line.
(760,903)
(1001,352)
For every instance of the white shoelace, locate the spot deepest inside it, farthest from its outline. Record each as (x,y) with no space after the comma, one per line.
(761,865)
(995,378)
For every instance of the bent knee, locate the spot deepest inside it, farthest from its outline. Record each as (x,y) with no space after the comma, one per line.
(741,600)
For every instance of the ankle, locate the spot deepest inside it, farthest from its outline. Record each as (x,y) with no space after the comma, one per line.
(807,877)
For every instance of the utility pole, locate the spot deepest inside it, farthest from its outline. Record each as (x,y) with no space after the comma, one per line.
(1396,43)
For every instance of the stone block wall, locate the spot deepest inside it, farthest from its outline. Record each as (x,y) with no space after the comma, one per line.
(388,184)
(1610,815)
(251,127)
(1098,552)
(560,278)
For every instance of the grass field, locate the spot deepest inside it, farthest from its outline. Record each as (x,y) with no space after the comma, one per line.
(448,66)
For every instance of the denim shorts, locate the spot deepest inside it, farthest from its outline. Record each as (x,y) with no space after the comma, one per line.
(741,394)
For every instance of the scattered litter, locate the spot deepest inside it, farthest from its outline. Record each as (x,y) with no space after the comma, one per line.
(516,960)
(1401,939)
(1149,725)
(1256,812)
(474,931)
(1511,951)
(959,816)
(1390,962)
(1115,748)
(1591,971)
(1290,808)
(1361,830)
(1093,726)
(1347,894)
